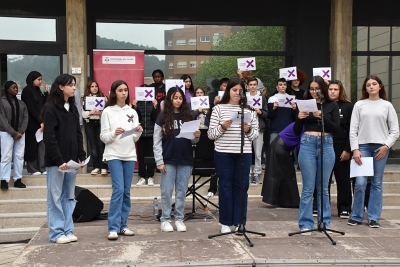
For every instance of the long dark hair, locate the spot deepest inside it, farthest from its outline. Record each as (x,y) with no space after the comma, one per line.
(88,92)
(168,112)
(56,96)
(342,93)
(382,92)
(112,100)
(227,95)
(14,114)
(322,85)
(191,88)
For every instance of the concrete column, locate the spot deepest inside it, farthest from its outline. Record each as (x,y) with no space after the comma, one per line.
(341,41)
(77,46)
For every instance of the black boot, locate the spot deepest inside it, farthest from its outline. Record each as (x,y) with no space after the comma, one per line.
(18,183)
(4,185)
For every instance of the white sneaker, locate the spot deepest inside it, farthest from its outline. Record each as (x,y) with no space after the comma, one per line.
(180,226)
(95,171)
(44,173)
(166,227)
(126,232)
(72,238)
(150,181)
(210,194)
(305,229)
(63,240)
(103,172)
(141,181)
(112,235)
(36,173)
(225,229)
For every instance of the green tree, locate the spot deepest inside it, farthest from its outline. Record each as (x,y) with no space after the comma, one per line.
(249,38)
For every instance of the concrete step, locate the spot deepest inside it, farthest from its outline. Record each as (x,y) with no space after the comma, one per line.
(17,234)
(391,212)
(21,220)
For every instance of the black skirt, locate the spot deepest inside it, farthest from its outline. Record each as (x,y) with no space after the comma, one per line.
(280,184)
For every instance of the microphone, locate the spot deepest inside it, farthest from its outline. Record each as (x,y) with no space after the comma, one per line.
(321,96)
(242,96)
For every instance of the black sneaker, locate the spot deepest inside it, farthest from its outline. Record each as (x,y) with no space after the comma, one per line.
(344,215)
(373,224)
(19,184)
(4,185)
(353,222)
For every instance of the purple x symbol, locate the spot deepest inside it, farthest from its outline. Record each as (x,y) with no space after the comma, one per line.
(291,73)
(98,103)
(288,101)
(256,102)
(148,93)
(179,86)
(250,63)
(203,101)
(326,73)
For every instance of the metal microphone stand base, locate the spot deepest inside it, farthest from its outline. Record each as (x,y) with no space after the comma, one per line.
(240,231)
(321,228)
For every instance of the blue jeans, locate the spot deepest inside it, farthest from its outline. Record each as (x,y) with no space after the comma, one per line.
(375,196)
(310,165)
(228,169)
(120,205)
(178,176)
(11,150)
(60,202)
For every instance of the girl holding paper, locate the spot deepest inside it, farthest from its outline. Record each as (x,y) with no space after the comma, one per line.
(91,119)
(201,113)
(310,156)
(120,154)
(63,142)
(174,157)
(373,111)
(189,88)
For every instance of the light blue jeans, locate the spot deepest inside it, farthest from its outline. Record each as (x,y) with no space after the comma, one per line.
(375,196)
(11,150)
(310,166)
(60,202)
(120,205)
(178,176)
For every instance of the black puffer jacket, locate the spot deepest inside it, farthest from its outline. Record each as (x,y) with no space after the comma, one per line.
(145,110)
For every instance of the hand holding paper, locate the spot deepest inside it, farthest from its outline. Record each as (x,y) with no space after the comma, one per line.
(309,105)
(188,129)
(39,135)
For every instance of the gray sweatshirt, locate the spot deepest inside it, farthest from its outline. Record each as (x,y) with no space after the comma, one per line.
(6,115)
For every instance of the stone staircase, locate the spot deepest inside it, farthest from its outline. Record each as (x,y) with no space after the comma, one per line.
(23,211)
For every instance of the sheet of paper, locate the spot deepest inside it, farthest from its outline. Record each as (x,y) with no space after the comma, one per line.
(325,72)
(200,102)
(188,128)
(144,93)
(174,83)
(285,100)
(254,101)
(221,94)
(309,105)
(366,169)
(128,133)
(248,63)
(39,135)
(236,118)
(288,73)
(92,102)
(74,166)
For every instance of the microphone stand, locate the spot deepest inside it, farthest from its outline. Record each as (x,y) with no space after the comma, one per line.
(321,224)
(241,230)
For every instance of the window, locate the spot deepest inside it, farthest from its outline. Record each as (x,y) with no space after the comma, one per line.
(28,29)
(171,65)
(201,62)
(169,42)
(181,64)
(193,63)
(217,37)
(180,42)
(204,38)
(192,41)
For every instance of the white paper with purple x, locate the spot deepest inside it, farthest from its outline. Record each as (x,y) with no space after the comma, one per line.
(289,74)
(92,102)
(325,73)
(248,63)
(200,102)
(174,83)
(254,101)
(285,100)
(144,93)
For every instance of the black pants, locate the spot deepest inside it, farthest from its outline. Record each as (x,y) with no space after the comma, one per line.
(145,149)
(341,169)
(38,164)
(93,129)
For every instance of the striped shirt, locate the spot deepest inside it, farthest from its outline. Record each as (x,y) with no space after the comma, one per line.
(229,141)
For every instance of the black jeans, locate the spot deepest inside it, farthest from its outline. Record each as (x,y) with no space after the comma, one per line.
(93,129)
(145,149)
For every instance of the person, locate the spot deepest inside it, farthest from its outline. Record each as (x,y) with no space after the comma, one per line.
(12,135)
(373,111)
(34,99)
(279,116)
(341,146)
(227,154)
(174,157)
(63,142)
(293,87)
(92,127)
(262,115)
(245,75)
(120,154)
(280,182)
(159,86)
(189,88)
(201,113)
(310,156)
(146,111)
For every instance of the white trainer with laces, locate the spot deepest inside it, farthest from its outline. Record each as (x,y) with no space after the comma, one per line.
(113,235)
(126,232)
(180,226)
(63,240)
(72,237)
(225,229)
(166,227)
(150,181)
(306,233)
(141,181)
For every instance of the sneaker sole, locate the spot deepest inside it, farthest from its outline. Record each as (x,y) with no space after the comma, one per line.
(353,224)
(167,231)
(344,217)
(181,230)
(112,238)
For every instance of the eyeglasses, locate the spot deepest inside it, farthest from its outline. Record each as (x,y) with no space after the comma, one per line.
(314,89)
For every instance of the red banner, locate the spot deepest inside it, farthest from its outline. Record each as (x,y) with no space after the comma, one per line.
(112,65)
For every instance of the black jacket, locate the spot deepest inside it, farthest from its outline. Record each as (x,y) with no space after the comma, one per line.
(146,112)
(342,137)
